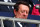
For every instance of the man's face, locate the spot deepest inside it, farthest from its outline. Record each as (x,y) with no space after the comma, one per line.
(22,12)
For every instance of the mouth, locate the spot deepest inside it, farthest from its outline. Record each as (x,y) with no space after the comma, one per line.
(25,17)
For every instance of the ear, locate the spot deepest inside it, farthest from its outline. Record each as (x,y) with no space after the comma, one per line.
(14,11)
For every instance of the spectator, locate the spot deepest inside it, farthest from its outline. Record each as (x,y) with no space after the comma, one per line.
(21,10)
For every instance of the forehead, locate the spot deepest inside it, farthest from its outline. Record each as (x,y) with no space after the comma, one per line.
(23,7)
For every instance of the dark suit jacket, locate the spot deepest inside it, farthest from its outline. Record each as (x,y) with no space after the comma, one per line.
(8,23)
(23,24)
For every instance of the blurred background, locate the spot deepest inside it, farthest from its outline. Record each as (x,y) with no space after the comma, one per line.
(7,10)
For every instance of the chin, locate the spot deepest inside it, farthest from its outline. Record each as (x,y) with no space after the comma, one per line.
(24,18)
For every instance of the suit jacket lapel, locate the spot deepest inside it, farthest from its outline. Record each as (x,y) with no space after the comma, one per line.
(16,24)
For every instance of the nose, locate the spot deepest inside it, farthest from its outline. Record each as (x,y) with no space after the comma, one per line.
(25,13)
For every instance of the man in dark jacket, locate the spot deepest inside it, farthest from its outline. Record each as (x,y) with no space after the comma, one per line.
(21,10)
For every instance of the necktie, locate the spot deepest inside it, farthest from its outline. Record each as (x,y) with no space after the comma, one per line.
(24,24)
